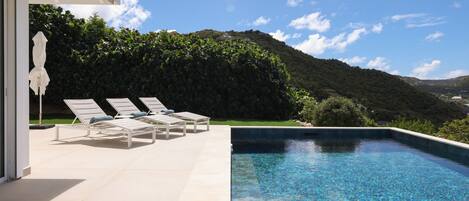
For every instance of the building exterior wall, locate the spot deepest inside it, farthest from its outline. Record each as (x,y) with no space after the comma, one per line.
(16,56)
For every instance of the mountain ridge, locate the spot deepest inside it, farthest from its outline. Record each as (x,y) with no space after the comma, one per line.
(386,96)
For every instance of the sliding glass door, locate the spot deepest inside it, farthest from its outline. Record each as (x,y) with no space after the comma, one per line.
(2,105)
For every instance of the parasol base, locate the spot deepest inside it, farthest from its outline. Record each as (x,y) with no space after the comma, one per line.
(40,127)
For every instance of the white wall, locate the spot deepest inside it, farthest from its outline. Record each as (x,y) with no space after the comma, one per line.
(16,88)
(22,88)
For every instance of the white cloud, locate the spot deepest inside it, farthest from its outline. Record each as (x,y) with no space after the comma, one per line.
(261,21)
(294,3)
(129,13)
(456,5)
(417,20)
(280,35)
(296,35)
(379,63)
(313,3)
(436,36)
(313,22)
(382,64)
(316,44)
(423,70)
(456,73)
(377,28)
(354,61)
(167,30)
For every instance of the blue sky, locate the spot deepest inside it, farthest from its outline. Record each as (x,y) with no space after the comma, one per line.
(422,38)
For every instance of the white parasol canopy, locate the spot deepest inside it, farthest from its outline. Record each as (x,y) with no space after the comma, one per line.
(38,75)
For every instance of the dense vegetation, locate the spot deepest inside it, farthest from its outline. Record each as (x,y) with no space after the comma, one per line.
(457,130)
(421,126)
(387,96)
(228,79)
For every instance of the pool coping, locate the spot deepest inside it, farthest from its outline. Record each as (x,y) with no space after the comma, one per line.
(413,133)
(453,150)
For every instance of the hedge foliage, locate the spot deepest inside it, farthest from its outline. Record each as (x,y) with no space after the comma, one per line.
(229,79)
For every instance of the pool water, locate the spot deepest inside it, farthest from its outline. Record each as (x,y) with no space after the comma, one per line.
(338,169)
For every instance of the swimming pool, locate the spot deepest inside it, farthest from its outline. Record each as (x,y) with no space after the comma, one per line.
(343,168)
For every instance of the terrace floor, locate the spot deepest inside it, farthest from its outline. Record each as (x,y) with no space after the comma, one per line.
(194,167)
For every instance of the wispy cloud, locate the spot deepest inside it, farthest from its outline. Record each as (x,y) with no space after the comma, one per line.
(129,13)
(296,35)
(436,36)
(456,5)
(417,20)
(423,70)
(377,28)
(457,73)
(261,21)
(400,17)
(314,22)
(294,3)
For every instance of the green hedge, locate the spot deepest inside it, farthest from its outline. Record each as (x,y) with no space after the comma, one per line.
(230,79)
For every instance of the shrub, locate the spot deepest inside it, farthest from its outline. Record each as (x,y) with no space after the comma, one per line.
(339,111)
(457,130)
(309,108)
(421,126)
(305,104)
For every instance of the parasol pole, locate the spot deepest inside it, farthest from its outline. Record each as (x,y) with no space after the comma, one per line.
(40,107)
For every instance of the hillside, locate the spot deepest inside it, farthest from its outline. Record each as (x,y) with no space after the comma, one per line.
(385,95)
(446,87)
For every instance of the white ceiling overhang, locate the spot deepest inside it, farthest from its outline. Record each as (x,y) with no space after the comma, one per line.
(95,2)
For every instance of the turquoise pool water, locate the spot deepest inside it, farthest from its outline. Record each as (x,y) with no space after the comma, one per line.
(335,169)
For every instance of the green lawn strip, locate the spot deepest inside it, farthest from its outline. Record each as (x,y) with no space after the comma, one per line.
(212,122)
(253,122)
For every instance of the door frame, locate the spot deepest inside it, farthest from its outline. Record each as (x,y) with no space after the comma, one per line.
(2,84)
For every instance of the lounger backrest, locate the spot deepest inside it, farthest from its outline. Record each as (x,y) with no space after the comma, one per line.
(84,109)
(153,104)
(123,105)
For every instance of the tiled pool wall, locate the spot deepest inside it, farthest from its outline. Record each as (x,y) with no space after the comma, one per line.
(455,151)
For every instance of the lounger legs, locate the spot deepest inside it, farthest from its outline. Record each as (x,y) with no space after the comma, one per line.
(153,137)
(195,126)
(167,131)
(129,140)
(57,133)
(208,124)
(184,129)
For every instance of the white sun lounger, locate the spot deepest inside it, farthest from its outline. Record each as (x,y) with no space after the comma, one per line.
(155,107)
(86,109)
(125,108)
